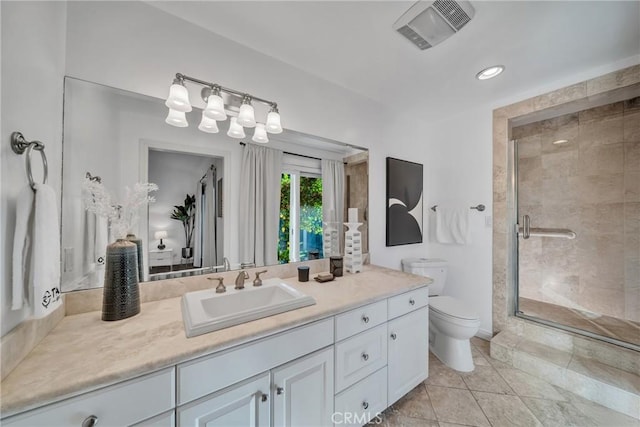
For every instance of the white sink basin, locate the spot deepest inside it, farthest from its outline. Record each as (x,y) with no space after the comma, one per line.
(206,311)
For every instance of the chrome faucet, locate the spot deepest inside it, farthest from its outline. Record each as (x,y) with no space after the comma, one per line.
(242,276)
(227,264)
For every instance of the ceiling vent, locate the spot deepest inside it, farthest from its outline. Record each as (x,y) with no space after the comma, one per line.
(428,23)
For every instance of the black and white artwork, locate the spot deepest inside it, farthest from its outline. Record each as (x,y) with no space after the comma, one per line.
(404,202)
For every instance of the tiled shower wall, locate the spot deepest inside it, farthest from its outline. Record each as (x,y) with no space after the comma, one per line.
(590,185)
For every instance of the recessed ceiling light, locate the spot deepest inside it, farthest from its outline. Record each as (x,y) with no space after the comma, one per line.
(560,141)
(490,72)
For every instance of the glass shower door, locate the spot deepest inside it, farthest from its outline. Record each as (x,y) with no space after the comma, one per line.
(578,245)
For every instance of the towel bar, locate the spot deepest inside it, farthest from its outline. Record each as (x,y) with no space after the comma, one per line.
(479,208)
(19,145)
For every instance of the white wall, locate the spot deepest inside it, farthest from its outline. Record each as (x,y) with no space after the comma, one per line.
(33,61)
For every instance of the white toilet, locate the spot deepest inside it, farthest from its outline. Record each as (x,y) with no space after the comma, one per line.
(451,322)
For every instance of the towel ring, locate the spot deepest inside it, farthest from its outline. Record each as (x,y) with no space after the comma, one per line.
(19,145)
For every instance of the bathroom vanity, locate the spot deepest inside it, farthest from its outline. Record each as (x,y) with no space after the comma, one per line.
(357,351)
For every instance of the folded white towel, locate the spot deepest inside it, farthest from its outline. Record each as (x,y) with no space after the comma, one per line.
(22,248)
(45,259)
(452,224)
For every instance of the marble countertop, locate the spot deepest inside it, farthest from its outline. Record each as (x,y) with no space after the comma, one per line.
(83,353)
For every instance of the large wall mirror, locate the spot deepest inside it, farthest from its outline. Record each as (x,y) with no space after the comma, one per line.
(121,138)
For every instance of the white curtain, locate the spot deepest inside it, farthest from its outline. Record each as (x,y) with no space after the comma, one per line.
(333,194)
(209,255)
(260,175)
(197,229)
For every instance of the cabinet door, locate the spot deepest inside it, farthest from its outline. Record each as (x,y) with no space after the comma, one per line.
(408,357)
(242,405)
(303,391)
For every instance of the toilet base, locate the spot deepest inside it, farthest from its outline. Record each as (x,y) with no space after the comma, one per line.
(453,352)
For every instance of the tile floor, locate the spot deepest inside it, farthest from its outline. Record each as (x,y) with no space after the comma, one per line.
(494,394)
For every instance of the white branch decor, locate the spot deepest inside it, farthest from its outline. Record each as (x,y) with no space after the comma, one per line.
(122,216)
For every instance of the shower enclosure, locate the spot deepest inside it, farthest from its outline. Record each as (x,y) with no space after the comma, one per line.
(574,203)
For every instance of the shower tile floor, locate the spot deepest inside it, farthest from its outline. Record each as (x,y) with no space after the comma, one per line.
(623,330)
(494,394)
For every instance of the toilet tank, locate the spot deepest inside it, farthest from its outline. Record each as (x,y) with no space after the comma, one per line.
(434,268)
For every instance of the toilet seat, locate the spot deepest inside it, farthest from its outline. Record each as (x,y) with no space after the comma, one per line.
(450,307)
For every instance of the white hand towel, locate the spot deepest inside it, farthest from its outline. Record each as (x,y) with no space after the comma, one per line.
(452,224)
(22,247)
(45,259)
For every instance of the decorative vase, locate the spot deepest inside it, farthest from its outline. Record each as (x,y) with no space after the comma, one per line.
(353,247)
(187,253)
(121,295)
(132,238)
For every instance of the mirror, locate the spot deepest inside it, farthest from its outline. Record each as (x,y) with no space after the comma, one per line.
(122,138)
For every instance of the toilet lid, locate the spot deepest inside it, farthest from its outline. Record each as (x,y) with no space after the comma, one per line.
(450,306)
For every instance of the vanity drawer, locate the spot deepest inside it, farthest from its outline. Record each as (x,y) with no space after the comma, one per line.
(364,400)
(123,404)
(360,356)
(360,319)
(407,302)
(212,373)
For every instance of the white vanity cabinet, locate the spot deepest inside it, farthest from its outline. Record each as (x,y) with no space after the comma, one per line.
(242,405)
(124,404)
(303,391)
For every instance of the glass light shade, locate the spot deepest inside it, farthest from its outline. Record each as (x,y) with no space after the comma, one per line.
(246,116)
(235,130)
(208,125)
(215,108)
(273,122)
(178,98)
(177,118)
(260,134)
(160,235)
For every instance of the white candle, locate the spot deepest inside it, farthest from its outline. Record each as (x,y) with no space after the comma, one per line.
(353,214)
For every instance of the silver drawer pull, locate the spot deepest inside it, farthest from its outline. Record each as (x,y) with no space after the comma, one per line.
(412,301)
(279,390)
(365,356)
(365,404)
(264,397)
(365,318)
(90,421)
(393,336)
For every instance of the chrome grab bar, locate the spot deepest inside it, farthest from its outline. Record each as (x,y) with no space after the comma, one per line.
(527,231)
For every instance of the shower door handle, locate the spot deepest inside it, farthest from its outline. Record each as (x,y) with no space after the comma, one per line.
(526,231)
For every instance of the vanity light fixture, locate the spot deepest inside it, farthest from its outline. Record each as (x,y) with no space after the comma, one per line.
(208,125)
(235,130)
(246,116)
(178,103)
(490,72)
(260,134)
(177,118)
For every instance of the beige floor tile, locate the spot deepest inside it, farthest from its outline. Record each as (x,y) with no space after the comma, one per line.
(441,375)
(416,404)
(552,413)
(504,410)
(486,378)
(398,420)
(527,385)
(599,414)
(478,358)
(456,406)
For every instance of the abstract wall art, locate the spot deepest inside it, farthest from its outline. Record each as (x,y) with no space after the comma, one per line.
(404,202)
